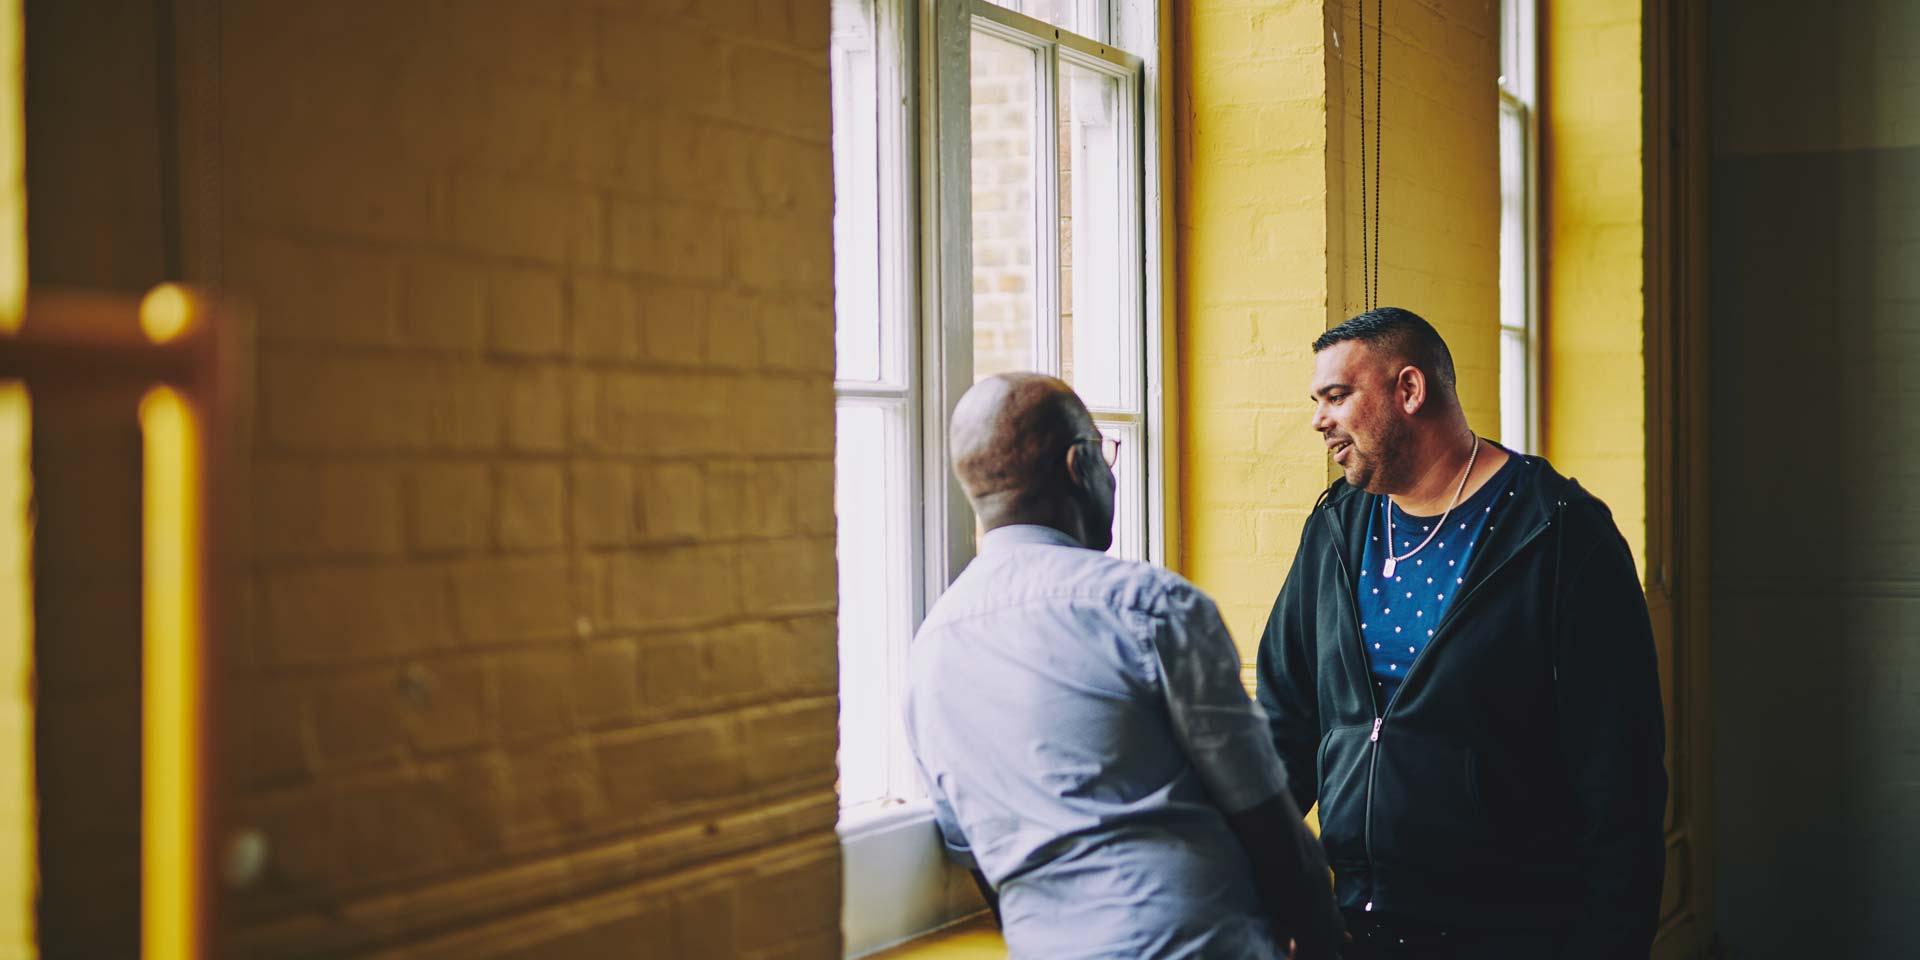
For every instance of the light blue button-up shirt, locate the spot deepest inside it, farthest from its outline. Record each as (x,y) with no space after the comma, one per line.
(1082,729)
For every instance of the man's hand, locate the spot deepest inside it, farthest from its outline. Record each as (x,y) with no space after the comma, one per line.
(1290,871)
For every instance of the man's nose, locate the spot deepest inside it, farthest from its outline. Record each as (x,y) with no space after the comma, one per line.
(1319,420)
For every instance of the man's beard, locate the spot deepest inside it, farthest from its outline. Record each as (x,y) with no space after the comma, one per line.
(1386,469)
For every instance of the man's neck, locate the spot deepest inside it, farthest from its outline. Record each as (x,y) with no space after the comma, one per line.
(1433,491)
(1059,516)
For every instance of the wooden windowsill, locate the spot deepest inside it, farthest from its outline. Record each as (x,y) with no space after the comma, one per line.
(971,939)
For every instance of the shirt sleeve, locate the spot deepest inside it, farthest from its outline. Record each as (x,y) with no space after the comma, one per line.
(958,850)
(944,820)
(1224,734)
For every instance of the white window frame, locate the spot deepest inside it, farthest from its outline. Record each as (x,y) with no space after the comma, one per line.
(1518,105)
(897,883)
(901,377)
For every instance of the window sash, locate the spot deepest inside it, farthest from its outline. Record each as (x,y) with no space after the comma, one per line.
(1092,18)
(869,723)
(1020,28)
(1519,241)
(1057,49)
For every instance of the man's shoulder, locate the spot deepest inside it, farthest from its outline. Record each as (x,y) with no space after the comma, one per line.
(1046,574)
(1586,523)
(1558,493)
(1134,584)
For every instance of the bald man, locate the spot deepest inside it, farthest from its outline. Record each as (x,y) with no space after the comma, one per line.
(1081,726)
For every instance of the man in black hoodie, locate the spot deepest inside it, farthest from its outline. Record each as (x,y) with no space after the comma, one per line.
(1460,669)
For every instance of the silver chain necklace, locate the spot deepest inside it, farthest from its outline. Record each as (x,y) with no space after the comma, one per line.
(1393,561)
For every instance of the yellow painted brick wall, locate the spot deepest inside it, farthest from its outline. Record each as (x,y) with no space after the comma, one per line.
(540,654)
(1592,220)
(1269,252)
(1251,209)
(1439,191)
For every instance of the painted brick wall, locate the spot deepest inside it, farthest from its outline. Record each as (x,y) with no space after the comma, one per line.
(1592,228)
(540,651)
(1439,191)
(1268,199)
(1251,210)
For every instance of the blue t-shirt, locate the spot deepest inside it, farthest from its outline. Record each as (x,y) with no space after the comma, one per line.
(1398,614)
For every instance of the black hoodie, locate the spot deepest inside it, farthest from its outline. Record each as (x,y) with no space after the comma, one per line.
(1515,781)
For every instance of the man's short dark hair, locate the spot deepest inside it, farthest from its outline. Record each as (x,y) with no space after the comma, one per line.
(1402,333)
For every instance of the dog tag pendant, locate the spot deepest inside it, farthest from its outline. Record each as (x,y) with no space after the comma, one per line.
(1387,571)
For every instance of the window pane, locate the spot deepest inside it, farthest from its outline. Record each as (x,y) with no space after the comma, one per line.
(1084,17)
(1005,174)
(856,188)
(1129,496)
(1513,218)
(1513,390)
(870,502)
(1516,383)
(1099,329)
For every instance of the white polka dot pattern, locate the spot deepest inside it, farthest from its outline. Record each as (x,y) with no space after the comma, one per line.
(1411,624)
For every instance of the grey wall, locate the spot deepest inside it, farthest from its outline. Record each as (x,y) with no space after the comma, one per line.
(1815,292)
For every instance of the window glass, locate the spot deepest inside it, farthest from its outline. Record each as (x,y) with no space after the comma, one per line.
(1098,314)
(1518,385)
(856,203)
(873,546)
(874,453)
(1005,173)
(1129,521)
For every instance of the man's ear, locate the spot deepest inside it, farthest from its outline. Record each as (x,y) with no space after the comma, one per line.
(1079,467)
(1410,389)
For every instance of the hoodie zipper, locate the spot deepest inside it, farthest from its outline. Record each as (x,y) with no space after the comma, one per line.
(1380,713)
(1373,698)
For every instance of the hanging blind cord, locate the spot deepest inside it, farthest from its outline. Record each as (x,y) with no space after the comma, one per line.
(1379,123)
(1370,225)
(1366,275)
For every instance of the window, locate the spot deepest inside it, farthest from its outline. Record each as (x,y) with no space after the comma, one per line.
(1519,339)
(1056,220)
(1052,258)
(876,473)
(992,164)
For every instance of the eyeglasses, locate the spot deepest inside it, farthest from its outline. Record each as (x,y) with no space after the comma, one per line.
(1109,449)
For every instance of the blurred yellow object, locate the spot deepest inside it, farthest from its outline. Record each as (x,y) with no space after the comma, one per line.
(19,859)
(171,588)
(975,939)
(166,312)
(13,165)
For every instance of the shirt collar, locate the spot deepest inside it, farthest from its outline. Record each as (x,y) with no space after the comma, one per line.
(1020,534)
